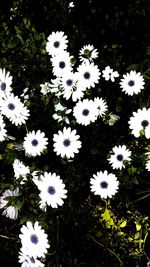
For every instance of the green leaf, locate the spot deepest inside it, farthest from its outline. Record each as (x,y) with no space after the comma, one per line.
(138,227)
(123,224)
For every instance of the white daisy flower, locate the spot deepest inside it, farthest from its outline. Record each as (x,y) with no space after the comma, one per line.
(132,83)
(20,170)
(45,88)
(71,87)
(147,165)
(14,109)
(34,143)
(140,121)
(85,112)
(34,240)
(88,75)
(61,64)
(3,131)
(66,143)
(57,43)
(9,211)
(29,261)
(101,106)
(109,74)
(87,53)
(5,83)
(52,190)
(119,156)
(104,184)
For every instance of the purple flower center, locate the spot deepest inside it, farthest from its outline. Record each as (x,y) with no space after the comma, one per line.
(120,157)
(85,112)
(144,123)
(131,83)
(34,239)
(62,64)
(66,142)
(51,190)
(56,44)
(3,86)
(104,184)
(69,82)
(34,142)
(87,75)
(11,106)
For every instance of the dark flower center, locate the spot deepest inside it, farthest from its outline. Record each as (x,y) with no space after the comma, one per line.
(34,239)
(104,184)
(144,123)
(34,142)
(69,82)
(66,142)
(11,106)
(56,44)
(87,75)
(51,190)
(32,260)
(3,86)
(62,64)
(131,83)
(85,112)
(119,157)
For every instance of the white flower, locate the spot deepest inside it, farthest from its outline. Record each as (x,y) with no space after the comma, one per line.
(34,240)
(71,87)
(104,184)
(5,83)
(88,53)
(45,88)
(119,156)
(29,261)
(109,74)
(88,75)
(61,63)
(3,131)
(9,211)
(20,170)
(52,190)
(140,122)
(34,143)
(14,109)
(85,112)
(132,83)
(57,43)
(147,165)
(66,143)
(101,106)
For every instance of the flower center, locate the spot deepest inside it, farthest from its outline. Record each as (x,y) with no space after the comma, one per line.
(131,83)
(66,142)
(11,106)
(32,260)
(69,82)
(85,112)
(56,44)
(51,190)
(87,75)
(3,86)
(104,184)
(62,64)
(120,157)
(144,123)
(34,142)
(34,239)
